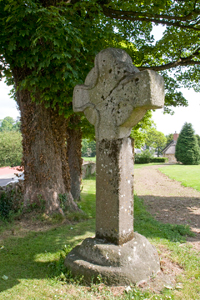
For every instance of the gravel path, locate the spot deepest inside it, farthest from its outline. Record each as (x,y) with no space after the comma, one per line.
(168,201)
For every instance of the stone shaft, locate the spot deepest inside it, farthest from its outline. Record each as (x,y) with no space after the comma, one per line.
(114,194)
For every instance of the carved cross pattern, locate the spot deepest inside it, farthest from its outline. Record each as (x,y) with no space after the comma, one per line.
(116,95)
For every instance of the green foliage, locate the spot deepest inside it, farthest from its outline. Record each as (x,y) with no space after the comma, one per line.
(89,158)
(187,175)
(10,148)
(57,269)
(178,45)
(158,159)
(6,206)
(173,96)
(35,259)
(63,200)
(198,139)
(9,124)
(187,148)
(169,138)
(144,157)
(88,197)
(88,148)
(156,140)
(140,131)
(148,226)
(10,142)
(49,46)
(59,38)
(11,202)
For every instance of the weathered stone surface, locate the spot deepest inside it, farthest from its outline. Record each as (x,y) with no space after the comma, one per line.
(114,190)
(131,262)
(116,95)
(88,169)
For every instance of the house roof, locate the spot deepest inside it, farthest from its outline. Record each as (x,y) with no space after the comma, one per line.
(170,148)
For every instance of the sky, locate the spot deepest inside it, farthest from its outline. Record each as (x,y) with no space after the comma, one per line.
(8,107)
(173,123)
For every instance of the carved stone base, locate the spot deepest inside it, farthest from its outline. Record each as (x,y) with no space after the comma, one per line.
(131,262)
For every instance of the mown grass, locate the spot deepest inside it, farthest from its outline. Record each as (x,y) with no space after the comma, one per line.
(89,158)
(188,175)
(136,166)
(31,266)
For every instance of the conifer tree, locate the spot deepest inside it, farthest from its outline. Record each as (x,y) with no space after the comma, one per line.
(187,148)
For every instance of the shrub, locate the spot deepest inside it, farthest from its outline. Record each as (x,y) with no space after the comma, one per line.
(6,206)
(88,148)
(144,157)
(158,159)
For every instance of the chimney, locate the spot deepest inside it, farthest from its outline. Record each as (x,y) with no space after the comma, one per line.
(175,136)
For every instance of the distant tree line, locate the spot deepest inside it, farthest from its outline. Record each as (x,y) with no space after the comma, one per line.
(88,148)
(145,135)
(9,124)
(10,142)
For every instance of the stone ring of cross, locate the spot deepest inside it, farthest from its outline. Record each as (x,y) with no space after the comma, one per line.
(116,95)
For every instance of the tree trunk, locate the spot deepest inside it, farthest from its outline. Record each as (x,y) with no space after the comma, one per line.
(46,169)
(74,156)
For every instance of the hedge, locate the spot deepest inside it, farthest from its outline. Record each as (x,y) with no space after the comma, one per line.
(158,159)
(147,160)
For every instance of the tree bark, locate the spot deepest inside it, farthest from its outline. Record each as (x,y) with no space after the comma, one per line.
(46,168)
(74,156)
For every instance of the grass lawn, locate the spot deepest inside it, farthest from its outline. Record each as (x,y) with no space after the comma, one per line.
(187,175)
(31,264)
(136,166)
(89,158)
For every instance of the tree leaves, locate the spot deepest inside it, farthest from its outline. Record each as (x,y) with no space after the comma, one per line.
(187,148)
(10,148)
(54,44)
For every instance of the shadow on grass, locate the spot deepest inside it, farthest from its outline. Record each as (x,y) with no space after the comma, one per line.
(183,212)
(31,257)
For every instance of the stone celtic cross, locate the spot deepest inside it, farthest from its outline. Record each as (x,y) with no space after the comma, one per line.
(114,98)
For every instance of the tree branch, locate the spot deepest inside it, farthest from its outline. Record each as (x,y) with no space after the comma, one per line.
(180,62)
(175,21)
(149,15)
